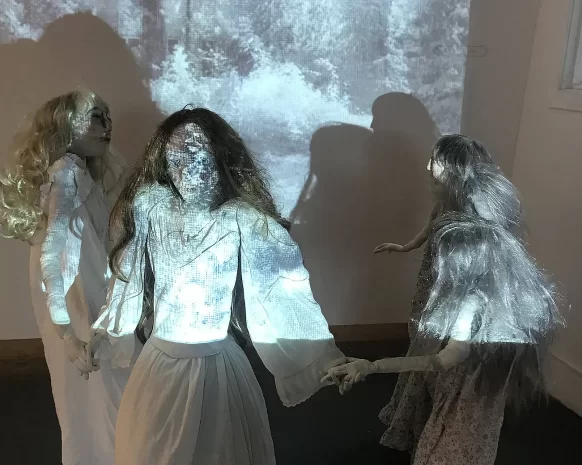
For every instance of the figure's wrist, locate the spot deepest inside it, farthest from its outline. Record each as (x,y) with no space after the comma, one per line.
(385,365)
(64,331)
(376,367)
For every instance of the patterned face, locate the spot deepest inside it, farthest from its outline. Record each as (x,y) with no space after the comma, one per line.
(436,170)
(190,160)
(92,128)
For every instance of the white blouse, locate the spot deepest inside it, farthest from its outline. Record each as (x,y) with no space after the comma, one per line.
(194,254)
(73,243)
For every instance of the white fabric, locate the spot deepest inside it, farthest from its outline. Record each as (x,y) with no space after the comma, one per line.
(68,278)
(199,405)
(194,256)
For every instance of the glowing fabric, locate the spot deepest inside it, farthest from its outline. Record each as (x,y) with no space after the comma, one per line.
(194,255)
(68,271)
(68,187)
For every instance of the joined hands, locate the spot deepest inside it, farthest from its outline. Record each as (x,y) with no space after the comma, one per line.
(346,375)
(76,353)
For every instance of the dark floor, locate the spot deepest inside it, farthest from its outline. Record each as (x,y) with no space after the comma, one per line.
(329,429)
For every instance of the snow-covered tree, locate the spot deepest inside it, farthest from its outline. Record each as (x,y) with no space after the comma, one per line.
(402,44)
(152,42)
(437,77)
(175,83)
(13,24)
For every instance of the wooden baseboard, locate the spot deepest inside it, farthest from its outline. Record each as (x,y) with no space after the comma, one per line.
(21,349)
(26,356)
(26,349)
(386,332)
(564,382)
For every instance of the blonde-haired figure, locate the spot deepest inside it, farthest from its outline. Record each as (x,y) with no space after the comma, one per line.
(54,198)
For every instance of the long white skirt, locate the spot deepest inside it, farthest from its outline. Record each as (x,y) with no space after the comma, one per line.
(193,404)
(86,410)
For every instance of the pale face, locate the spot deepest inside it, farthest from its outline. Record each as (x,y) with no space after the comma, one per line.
(190,159)
(436,170)
(92,131)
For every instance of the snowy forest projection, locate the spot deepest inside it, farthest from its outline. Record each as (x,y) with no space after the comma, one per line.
(277,70)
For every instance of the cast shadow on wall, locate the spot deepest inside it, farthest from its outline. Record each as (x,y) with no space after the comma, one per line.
(78,49)
(365,187)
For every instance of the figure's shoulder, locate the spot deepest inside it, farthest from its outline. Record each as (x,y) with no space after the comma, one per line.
(66,168)
(148,197)
(69,173)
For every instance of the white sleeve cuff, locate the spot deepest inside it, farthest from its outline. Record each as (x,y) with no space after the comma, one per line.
(300,386)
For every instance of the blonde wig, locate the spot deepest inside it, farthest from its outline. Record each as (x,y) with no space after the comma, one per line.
(45,140)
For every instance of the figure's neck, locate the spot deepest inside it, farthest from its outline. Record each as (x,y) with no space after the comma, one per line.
(96,167)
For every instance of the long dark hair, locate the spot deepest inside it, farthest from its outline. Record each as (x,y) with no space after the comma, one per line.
(481,263)
(240,177)
(472,183)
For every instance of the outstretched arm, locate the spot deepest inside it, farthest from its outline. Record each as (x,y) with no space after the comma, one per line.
(454,353)
(285,323)
(415,243)
(356,370)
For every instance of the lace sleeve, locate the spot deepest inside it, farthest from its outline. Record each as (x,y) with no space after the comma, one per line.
(285,323)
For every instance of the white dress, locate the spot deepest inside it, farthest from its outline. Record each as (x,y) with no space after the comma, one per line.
(68,278)
(192,397)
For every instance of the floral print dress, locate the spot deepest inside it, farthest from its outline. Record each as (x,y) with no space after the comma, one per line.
(440,417)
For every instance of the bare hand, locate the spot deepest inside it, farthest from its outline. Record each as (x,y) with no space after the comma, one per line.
(389,247)
(354,371)
(92,363)
(75,353)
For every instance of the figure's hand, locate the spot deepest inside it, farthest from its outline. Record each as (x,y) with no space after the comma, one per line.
(75,353)
(331,380)
(389,247)
(92,363)
(355,371)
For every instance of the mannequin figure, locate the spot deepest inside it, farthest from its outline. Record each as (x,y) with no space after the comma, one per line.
(200,207)
(481,319)
(53,198)
(479,346)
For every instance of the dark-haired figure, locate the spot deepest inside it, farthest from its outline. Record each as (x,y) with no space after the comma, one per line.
(201,208)
(481,319)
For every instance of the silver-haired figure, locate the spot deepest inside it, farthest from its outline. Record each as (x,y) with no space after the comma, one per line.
(481,320)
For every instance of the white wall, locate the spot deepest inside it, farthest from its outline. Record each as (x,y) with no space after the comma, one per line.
(495,83)
(547,170)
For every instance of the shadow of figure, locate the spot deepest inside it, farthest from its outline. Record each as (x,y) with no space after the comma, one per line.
(92,52)
(364,188)
(74,50)
(79,49)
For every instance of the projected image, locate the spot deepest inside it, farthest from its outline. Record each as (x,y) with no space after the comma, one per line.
(278,70)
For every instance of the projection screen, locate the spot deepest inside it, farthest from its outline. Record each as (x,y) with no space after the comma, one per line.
(278,70)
